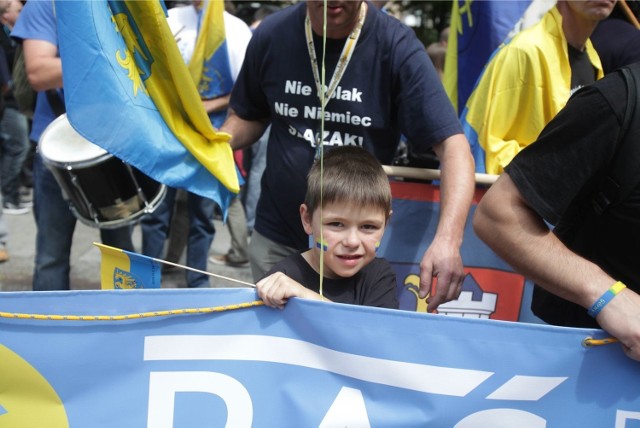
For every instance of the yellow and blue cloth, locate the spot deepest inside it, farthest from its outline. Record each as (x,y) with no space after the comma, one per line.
(525,84)
(209,66)
(121,269)
(128,90)
(477,29)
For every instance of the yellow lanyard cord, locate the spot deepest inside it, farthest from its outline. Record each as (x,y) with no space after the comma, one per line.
(325,95)
(152,314)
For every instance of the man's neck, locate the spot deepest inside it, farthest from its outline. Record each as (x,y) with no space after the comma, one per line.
(576,29)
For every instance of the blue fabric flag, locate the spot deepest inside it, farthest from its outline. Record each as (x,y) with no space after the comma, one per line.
(209,65)
(477,29)
(128,91)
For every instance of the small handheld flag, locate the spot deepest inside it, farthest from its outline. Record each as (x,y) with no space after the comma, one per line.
(125,270)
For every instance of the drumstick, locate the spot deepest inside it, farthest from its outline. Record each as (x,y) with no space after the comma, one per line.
(178,32)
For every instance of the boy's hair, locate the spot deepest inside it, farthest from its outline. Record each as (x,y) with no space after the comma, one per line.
(348,174)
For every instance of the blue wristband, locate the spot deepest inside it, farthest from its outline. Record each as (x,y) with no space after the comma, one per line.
(606,298)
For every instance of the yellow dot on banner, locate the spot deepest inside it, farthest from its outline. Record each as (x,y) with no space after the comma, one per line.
(26,398)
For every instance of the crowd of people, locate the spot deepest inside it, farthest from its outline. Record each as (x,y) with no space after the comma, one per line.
(543,112)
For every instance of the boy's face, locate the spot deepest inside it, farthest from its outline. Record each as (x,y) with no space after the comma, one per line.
(352,235)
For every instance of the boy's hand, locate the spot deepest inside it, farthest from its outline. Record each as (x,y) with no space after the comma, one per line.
(277,288)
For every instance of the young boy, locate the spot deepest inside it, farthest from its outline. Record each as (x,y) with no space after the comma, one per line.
(346,209)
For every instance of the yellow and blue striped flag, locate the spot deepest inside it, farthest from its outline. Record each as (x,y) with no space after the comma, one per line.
(125,270)
(128,90)
(209,65)
(477,29)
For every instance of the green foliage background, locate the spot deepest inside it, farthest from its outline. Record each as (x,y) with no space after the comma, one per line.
(433,15)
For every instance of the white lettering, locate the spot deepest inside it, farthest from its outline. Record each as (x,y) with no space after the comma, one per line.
(335,117)
(290,87)
(163,387)
(336,139)
(452,381)
(495,418)
(347,410)
(297,88)
(622,416)
(308,135)
(284,110)
(347,95)
(350,140)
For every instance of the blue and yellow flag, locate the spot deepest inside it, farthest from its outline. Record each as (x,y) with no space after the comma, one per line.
(128,90)
(477,29)
(124,270)
(209,65)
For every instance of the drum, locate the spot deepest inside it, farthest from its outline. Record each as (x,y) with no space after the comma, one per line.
(102,190)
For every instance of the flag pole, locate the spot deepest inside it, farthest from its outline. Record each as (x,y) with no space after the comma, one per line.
(629,13)
(431,174)
(204,272)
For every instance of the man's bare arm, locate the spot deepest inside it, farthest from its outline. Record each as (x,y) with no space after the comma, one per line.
(43,66)
(442,259)
(506,222)
(243,132)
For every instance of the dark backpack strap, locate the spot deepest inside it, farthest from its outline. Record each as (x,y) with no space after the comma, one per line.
(56,103)
(624,170)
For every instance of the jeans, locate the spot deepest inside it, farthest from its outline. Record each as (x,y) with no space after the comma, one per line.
(155,230)
(4,233)
(55,226)
(14,129)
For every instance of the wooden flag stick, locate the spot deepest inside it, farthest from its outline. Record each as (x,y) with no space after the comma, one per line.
(204,272)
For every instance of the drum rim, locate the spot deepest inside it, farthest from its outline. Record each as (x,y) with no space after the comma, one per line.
(83,163)
(114,224)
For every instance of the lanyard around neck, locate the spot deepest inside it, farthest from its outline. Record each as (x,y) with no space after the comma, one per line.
(345,57)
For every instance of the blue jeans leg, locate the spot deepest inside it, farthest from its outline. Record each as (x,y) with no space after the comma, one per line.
(15,146)
(4,233)
(155,230)
(55,225)
(201,233)
(155,226)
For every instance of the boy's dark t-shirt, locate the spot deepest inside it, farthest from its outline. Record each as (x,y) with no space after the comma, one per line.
(374,285)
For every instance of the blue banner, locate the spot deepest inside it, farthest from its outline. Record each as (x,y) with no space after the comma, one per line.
(139,358)
(490,290)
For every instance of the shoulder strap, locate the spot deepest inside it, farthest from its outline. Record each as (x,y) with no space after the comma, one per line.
(57,105)
(624,170)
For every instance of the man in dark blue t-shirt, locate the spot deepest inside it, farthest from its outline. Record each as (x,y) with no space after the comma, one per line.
(380,83)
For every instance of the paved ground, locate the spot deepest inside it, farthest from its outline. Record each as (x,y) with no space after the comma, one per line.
(16,274)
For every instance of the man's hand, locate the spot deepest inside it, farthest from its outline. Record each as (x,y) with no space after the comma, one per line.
(442,261)
(621,319)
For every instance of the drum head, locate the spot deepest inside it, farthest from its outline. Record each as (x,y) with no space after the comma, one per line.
(61,143)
